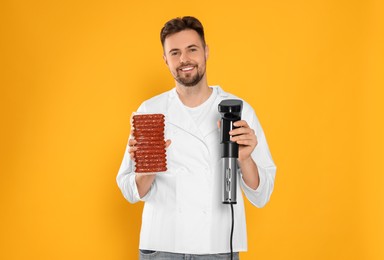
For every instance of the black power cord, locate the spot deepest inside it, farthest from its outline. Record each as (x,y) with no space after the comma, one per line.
(232,231)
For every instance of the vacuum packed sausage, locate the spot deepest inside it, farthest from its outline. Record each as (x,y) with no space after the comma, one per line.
(148,131)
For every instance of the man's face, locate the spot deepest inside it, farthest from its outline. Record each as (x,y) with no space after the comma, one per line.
(186,57)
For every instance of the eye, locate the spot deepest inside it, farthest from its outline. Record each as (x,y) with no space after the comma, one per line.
(174,53)
(193,49)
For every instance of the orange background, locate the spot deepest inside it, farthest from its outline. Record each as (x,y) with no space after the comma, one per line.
(73,71)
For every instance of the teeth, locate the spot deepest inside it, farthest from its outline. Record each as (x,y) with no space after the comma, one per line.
(186,69)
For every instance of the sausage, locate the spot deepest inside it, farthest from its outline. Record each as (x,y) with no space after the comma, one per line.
(143,143)
(148,116)
(146,124)
(149,165)
(151,169)
(148,134)
(151,147)
(139,152)
(149,156)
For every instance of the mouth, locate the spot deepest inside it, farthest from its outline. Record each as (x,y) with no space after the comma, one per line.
(187,68)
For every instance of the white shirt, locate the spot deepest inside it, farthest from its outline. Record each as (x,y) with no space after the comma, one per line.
(198,113)
(183,212)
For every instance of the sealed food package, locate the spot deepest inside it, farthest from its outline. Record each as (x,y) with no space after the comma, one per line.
(148,131)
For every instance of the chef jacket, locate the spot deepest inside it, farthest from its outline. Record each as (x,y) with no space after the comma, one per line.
(183,210)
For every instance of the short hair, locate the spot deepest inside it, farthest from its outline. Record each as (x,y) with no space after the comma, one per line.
(180,24)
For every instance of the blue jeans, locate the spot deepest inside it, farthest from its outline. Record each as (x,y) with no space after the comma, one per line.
(158,255)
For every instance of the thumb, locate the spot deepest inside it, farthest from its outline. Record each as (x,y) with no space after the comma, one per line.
(168,143)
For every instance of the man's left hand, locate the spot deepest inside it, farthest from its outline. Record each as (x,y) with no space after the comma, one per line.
(245,137)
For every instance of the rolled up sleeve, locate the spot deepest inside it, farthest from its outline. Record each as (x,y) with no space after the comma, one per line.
(265,165)
(126,177)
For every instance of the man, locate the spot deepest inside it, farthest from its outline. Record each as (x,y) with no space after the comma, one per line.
(183,214)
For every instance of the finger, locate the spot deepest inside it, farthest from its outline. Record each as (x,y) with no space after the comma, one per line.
(242,131)
(246,142)
(241,123)
(168,143)
(132,152)
(132,149)
(132,142)
(218,124)
(244,134)
(242,138)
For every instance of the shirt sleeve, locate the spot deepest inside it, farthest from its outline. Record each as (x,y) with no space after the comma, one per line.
(265,165)
(126,177)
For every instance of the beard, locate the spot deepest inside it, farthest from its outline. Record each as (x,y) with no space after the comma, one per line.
(189,80)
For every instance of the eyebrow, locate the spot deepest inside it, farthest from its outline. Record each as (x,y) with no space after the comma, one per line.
(192,46)
(188,47)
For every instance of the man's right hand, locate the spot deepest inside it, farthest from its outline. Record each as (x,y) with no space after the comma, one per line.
(143,182)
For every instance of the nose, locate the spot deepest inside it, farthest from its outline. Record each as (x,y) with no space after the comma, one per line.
(184,57)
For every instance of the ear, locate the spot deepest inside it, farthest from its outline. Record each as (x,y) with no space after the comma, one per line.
(206,52)
(165,59)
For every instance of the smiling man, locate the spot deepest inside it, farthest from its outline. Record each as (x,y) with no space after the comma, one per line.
(187,64)
(183,216)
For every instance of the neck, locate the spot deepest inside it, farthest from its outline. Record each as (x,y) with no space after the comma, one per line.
(194,96)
